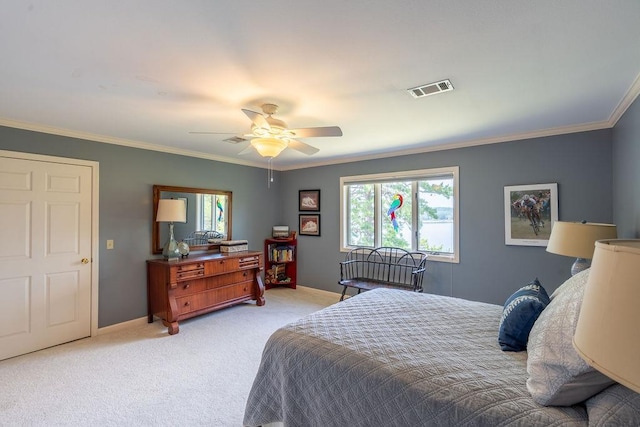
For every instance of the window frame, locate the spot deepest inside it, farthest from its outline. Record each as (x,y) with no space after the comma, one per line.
(403,176)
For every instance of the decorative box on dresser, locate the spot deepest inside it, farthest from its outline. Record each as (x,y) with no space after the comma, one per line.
(178,290)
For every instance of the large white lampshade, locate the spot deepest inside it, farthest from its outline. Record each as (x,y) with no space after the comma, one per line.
(171,210)
(607,335)
(577,239)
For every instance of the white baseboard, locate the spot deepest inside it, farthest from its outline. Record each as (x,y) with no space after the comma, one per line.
(124,325)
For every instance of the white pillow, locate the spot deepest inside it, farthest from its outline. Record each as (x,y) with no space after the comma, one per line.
(557,374)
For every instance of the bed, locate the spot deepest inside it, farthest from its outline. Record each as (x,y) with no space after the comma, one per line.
(396,358)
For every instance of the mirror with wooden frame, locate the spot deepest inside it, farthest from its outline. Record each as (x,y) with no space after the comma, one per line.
(208,218)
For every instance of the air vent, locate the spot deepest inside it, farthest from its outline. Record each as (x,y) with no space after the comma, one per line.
(235,140)
(430,89)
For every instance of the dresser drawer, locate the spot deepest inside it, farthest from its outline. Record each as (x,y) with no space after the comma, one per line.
(207,283)
(221,265)
(188,271)
(238,290)
(214,297)
(250,262)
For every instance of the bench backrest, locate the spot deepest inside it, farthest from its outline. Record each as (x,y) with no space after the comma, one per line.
(385,264)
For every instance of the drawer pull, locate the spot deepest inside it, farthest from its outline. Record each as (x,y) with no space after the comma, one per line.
(244,274)
(187,286)
(187,304)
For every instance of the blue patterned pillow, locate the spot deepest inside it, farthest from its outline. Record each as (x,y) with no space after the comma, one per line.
(520,313)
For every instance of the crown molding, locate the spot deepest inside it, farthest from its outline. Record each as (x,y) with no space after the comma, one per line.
(471,143)
(124,142)
(626,101)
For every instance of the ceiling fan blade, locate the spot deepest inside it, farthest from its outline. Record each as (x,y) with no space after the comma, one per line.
(302,147)
(319,131)
(257,119)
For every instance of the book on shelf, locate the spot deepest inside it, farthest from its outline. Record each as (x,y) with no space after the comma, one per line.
(281,253)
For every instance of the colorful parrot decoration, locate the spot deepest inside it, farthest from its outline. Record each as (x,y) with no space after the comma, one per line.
(395,205)
(219,205)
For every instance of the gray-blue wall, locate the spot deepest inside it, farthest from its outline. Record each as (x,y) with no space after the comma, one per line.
(596,172)
(626,173)
(490,271)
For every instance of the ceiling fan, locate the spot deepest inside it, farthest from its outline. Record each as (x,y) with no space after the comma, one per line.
(270,136)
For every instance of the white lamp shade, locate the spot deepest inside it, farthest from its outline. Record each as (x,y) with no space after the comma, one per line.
(607,335)
(171,210)
(577,239)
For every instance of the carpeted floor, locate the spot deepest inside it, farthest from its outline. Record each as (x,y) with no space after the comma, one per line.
(143,376)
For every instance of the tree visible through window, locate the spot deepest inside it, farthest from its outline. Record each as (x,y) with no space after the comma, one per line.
(426,219)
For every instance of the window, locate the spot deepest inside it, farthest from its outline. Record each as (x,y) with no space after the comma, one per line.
(211,212)
(426,220)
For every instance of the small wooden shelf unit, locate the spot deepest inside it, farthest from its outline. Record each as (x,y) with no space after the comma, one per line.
(178,290)
(281,262)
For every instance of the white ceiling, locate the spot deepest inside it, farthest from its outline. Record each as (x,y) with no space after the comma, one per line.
(146,72)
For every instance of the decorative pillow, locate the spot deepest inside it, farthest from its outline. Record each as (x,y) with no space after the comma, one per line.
(519,314)
(615,406)
(557,374)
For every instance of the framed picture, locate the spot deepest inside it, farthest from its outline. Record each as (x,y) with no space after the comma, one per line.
(309,200)
(309,225)
(529,213)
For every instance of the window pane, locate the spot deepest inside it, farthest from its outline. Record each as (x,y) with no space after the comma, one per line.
(219,213)
(207,201)
(391,195)
(361,215)
(436,215)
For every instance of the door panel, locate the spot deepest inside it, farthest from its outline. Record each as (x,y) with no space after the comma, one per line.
(63,292)
(62,228)
(17,217)
(14,306)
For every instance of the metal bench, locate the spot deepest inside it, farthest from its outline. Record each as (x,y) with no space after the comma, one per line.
(202,237)
(383,267)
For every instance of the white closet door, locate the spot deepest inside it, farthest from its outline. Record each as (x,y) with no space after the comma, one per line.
(45,254)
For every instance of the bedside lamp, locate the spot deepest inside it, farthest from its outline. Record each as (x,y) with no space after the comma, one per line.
(606,334)
(171,210)
(577,239)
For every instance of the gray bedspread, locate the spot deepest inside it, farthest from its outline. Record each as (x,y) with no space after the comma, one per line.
(397,358)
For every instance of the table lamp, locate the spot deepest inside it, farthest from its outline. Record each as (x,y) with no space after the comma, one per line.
(577,239)
(171,210)
(606,334)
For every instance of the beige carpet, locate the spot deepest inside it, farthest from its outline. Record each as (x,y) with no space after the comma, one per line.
(143,376)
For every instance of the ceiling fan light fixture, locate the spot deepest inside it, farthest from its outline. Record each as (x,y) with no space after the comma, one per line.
(268,147)
(260,131)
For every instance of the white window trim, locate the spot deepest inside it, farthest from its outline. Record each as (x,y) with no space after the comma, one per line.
(422,173)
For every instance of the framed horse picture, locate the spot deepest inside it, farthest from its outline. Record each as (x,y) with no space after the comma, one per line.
(529,213)
(309,200)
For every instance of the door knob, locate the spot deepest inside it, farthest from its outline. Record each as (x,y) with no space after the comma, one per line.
(85,260)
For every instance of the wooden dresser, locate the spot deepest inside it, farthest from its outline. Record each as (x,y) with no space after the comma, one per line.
(178,290)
